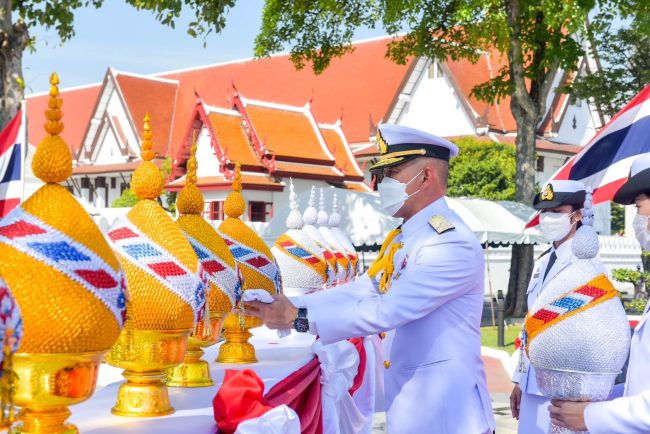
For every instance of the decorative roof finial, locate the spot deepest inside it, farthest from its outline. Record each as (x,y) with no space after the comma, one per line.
(190,199)
(310,215)
(235,204)
(322,214)
(585,243)
(52,161)
(294,219)
(147,181)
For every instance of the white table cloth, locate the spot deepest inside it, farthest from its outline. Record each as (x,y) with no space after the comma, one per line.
(278,358)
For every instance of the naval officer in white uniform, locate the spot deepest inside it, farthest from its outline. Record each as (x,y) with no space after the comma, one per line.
(560,203)
(629,414)
(426,288)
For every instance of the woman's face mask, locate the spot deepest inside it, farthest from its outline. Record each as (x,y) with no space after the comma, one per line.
(555,226)
(641,231)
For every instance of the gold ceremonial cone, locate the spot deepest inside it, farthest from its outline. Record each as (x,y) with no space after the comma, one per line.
(218,267)
(237,349)
(160,313)
(71,316)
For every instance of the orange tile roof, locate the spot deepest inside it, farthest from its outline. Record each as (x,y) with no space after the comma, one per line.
(78,107)
(144,95)
(360,86)
(337,145)
(231,137)
(357,186)
(287,133)
(467,75)
(307,169)
(219,182)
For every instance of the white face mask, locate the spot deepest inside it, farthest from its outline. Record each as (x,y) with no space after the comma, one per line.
(392,194)
(641,231)
(555,225)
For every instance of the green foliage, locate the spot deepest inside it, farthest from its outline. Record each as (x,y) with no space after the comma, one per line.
(630,276)
(625,58)
(59,14)
(618,218)
(533,32)
(482,169)
(636,306)
(126,200)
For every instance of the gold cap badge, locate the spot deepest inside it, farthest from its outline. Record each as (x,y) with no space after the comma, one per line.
(547,194)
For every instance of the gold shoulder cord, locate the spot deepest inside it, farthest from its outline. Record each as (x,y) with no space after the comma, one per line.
(384,262)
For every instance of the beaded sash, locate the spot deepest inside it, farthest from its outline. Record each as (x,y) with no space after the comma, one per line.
(255,260)
(33,237)
(156,261)
(290,247)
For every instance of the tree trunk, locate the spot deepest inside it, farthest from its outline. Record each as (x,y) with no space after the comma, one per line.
(13,40)
(521,267)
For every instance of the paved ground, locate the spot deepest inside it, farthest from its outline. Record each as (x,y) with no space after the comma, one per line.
(499,385)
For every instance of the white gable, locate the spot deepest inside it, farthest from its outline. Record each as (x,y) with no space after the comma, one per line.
(111,129)
(209,164)
(429,102)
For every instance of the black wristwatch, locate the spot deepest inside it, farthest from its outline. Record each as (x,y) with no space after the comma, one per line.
(301,324)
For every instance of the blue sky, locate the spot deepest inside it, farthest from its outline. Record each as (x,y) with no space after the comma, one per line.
(120,36)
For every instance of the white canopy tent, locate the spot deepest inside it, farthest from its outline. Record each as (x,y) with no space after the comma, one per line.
(494,223)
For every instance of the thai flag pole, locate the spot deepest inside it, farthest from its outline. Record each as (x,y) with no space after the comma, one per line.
(24,147)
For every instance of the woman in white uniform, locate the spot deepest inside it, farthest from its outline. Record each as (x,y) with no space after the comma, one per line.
(560,203)
(629,414)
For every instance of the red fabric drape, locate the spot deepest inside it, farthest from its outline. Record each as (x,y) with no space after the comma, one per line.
(361,372)
(240,398)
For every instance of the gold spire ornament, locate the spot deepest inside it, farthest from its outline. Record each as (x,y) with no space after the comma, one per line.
(69,285)
(258,269)
(219,266)
(166,294)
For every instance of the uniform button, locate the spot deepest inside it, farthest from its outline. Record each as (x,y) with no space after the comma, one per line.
(382,335)
(386,364)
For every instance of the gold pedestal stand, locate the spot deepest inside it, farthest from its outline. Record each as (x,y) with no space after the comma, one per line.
(145,356)
(194,372)
(47,384)
(236,348)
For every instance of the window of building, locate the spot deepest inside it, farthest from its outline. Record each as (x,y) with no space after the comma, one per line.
(85,182)
(113,182)
(434,71)
(216,210)
(260,211)
(540,163)
(100,182)
(123,186)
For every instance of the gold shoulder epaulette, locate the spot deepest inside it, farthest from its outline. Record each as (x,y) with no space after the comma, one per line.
(441,224)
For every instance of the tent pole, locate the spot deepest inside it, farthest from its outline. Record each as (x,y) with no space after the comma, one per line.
(487,263)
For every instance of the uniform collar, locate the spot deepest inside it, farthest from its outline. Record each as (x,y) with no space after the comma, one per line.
(564,252)
(409,227)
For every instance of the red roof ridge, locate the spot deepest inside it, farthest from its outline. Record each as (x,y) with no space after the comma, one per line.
(64,89)
(253,58)
(163,80)
(215,109)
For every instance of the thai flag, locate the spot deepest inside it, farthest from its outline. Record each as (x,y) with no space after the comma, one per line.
(604,163)
(12,151)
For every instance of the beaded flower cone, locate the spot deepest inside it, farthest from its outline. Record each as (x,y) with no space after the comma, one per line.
(166,294)
(343,239)
(69,285)
(302,264)
(258,269)
(342,259)
(219,266)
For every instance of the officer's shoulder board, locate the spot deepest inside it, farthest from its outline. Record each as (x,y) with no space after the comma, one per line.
(441,224)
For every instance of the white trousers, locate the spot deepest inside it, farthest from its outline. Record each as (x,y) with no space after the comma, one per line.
(534,417)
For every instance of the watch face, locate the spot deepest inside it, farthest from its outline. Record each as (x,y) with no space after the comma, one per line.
(301,325)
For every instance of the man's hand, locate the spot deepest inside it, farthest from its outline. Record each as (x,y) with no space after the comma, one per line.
(277,315)
(515,401)
(568,414)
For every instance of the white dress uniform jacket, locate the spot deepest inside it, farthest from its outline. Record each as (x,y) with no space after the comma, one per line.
(631,413)
(436,380)
(534,417)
